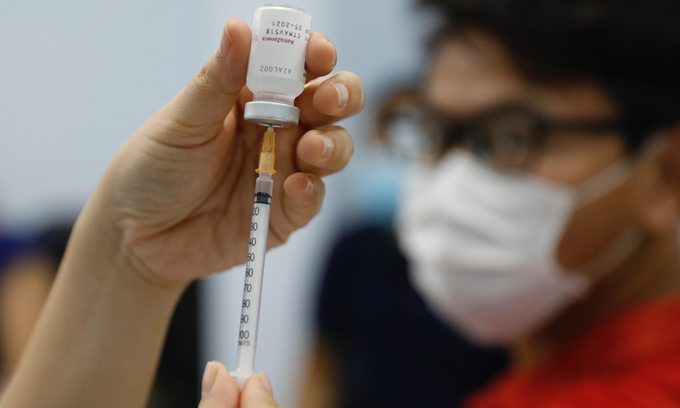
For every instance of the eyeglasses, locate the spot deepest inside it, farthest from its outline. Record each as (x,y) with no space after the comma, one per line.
(509,136)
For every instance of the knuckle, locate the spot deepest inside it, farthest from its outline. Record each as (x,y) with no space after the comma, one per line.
(205,80)
(212,78)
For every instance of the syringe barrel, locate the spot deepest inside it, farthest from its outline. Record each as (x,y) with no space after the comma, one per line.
(252,287)
(264,184)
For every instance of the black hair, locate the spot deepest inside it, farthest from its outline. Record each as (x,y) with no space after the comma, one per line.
(630,47)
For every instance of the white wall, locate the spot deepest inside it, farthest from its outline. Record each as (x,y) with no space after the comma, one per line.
(77,77)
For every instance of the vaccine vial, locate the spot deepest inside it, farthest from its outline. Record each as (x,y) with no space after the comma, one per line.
(276,69)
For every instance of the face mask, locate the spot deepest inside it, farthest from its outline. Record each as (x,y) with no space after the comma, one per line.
(481,244)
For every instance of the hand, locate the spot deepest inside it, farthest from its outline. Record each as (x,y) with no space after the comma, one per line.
(220,390)
(177,198)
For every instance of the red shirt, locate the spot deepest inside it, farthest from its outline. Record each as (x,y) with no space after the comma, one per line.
(631,360)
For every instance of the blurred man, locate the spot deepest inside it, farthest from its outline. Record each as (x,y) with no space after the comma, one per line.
(544,216)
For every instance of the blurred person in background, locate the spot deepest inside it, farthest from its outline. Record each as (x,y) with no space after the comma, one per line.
(25,281)
(28,265)
(543,215)
(376,343)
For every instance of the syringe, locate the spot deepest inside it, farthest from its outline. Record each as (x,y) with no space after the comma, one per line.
(257,246)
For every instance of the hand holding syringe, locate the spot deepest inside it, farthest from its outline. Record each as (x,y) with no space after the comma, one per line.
(164,215)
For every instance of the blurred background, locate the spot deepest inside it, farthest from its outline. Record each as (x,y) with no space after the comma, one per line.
(78,77)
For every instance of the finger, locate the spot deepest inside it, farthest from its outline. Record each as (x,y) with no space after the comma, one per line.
(324,151)
(321,56)
(200,109)
(219,390)
(302,197)
(325,101)
(257,393)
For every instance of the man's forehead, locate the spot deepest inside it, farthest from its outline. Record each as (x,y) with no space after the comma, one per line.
(471,72)
(475,73)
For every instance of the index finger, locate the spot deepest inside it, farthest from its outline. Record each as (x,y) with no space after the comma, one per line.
(328,100)
(321,56)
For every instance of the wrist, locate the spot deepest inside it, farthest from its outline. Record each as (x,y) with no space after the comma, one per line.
(98,246)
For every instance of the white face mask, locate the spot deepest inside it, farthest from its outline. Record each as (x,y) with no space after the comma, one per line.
(482,243)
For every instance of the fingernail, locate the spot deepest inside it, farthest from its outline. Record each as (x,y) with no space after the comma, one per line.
(328,146)
(310,186)
(225,43)
(343,94)
(209,376)
(264,381)
(335,57)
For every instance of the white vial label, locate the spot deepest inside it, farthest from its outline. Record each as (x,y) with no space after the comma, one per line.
(280,36)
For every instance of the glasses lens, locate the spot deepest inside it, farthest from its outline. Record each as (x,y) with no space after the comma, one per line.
(508,139)
(410,134)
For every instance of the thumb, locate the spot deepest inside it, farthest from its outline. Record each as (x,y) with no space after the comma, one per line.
(219,389)
(257,393)
(210,95)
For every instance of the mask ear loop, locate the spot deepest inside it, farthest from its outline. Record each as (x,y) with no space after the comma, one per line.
(620,249)
(631,237)
(618,172)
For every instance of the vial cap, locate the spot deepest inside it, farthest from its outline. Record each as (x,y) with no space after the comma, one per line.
(271,114)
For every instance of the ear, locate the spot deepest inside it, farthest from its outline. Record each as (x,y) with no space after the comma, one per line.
(662,204)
